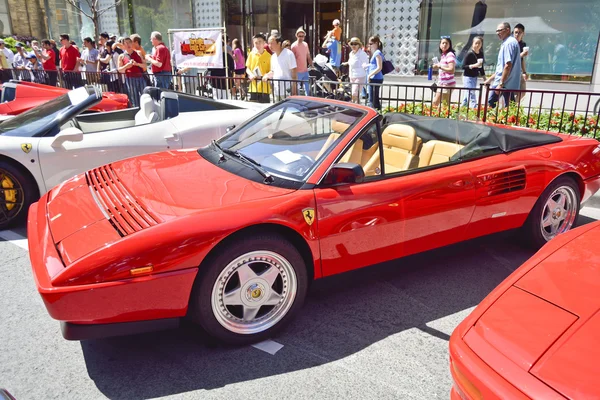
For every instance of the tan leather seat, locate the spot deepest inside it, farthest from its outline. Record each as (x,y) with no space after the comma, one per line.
(338,128)
(399,148)
(437,152)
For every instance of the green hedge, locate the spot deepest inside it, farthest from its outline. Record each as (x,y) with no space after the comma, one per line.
(564,122)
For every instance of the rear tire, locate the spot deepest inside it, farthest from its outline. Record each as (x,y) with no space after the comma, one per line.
(555,212)
(17,193)
(249,290)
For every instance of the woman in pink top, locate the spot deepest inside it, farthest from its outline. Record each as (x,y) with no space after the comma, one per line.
(240,66)
(446,66)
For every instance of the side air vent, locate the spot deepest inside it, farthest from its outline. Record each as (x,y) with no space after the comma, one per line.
(124,212)
(502,182)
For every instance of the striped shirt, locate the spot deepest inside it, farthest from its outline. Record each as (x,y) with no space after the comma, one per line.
(447,78)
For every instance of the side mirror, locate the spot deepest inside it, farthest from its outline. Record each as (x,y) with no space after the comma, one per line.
(230,128)
(344,173)
(68,135)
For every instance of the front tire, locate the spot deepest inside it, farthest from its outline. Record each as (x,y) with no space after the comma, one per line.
(555,212)
(17,193)
(249,290)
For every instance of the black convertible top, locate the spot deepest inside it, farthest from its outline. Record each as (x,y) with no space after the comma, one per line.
(476,138)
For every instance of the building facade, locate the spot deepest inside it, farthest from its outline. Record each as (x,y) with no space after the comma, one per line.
(562,36)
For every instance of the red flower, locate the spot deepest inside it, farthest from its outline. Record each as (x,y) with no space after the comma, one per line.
(512,119)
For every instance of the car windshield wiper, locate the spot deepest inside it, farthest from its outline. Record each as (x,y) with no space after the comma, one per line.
(245,159)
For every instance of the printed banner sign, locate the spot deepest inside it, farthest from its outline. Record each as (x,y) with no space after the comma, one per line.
(198,49)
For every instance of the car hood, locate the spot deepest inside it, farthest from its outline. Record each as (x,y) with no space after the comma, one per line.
(107,203)
(548,322)
(570,280)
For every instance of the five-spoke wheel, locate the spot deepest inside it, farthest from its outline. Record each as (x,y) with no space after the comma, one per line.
(249,289)
(555,211)
(16,194)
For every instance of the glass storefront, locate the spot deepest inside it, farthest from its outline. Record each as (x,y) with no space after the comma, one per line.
(562,36)
(160,15)
(244,18)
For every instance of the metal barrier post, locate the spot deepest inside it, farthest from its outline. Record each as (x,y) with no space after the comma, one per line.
(485,102)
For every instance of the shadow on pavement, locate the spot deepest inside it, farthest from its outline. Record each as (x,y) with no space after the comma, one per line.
(343,315)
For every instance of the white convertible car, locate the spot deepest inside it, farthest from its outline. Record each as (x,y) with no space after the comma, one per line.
(48,144)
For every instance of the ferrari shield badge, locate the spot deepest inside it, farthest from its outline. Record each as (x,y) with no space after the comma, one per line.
(309,215)
(26,147)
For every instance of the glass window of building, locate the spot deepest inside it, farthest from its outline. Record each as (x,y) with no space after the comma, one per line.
(562,36)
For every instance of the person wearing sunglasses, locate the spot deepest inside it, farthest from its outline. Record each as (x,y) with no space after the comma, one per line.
(508,68)
(357,61)
(303,59)
(446,67)
(374,71)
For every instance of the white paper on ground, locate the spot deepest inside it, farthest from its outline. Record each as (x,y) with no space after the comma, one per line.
(268,346)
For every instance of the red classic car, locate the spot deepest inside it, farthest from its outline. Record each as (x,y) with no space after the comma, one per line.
(230,235)
(537,335)
(19,96)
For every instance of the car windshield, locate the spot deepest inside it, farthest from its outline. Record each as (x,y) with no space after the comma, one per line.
(290,138)
(31,123)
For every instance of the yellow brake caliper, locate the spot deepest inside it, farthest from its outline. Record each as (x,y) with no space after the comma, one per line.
(9,195)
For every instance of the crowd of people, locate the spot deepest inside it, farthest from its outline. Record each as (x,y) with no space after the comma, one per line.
(508,80)
(274,67)
(120,63)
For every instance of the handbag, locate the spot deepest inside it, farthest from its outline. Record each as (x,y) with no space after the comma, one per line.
(434,87)
(387,67)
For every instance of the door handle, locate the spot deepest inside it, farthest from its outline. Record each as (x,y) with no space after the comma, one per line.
(458,184)
(172,136)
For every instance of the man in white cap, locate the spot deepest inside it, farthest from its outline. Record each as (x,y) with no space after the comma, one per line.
(303,59)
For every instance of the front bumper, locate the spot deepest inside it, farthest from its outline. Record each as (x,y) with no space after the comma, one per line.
(473,378)
(147,298)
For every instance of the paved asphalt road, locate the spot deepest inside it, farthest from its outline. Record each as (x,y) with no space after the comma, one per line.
(377,333)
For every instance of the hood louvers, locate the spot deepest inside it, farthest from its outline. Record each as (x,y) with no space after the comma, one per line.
(502,182)
(123,211)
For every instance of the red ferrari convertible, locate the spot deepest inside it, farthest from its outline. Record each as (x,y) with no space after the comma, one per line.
(19,96)
(230,235)
(537,335)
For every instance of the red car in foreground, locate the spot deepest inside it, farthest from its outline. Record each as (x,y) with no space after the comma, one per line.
(537,335)
(20,96)
(230,235)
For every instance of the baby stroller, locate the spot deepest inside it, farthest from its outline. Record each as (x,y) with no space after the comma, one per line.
(321,75)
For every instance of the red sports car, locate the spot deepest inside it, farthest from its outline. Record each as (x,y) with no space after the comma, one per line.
(537,335)
(19,96)
(230,235)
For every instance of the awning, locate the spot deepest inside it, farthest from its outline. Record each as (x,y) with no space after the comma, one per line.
(489,25)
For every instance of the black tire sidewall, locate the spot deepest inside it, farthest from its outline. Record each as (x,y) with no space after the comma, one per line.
(200,307)
(533,225)
(29,193)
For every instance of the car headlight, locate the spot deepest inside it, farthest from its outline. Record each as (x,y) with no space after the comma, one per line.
(463,386)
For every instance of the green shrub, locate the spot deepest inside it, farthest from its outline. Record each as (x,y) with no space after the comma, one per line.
(564,122)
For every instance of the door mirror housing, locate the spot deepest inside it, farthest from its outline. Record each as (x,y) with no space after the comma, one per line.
(343,174)
(68,135)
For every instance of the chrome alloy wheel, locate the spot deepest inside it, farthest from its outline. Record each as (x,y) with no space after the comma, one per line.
(254,292)
(559,212)
(11,197)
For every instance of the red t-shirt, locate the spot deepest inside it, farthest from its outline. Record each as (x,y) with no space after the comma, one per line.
(134,71)
(50,64)
(68,58)
(162,55)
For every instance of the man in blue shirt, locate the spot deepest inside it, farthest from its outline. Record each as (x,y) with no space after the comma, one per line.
(508,67)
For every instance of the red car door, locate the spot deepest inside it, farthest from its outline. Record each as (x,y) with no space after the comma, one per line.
(393,215)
